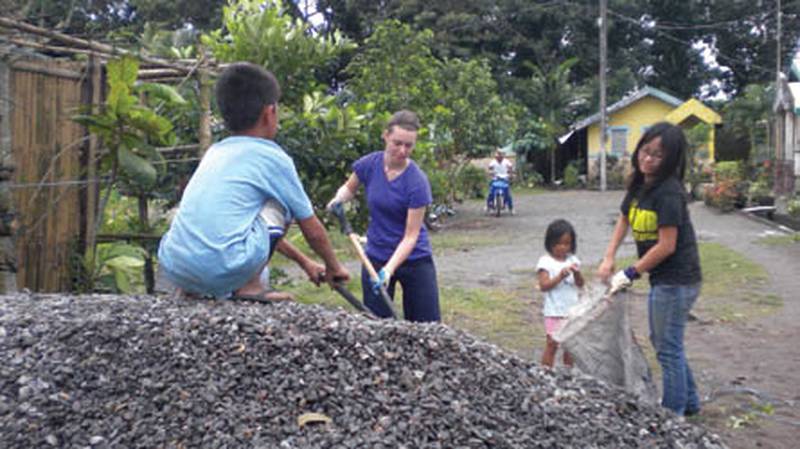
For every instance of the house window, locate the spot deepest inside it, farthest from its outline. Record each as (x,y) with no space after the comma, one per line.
(619,141)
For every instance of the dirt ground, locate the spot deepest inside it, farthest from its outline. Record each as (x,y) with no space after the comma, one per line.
(746,368)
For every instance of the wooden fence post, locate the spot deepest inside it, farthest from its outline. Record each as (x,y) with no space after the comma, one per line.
(204,138)
(8,268)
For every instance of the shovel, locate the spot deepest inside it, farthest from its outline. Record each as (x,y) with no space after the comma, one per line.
(342,290)
(347,230)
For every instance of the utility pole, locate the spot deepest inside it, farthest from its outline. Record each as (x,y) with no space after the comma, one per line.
(778,40)
(779,137)
(603,124)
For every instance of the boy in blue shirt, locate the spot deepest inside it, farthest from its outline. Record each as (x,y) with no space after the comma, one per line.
(237,204)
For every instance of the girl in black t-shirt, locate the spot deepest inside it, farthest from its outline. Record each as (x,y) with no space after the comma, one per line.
(655,209)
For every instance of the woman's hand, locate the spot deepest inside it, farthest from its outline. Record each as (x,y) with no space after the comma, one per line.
(606,269)
(384,275)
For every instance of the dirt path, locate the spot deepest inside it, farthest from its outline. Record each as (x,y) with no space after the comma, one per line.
(747,369)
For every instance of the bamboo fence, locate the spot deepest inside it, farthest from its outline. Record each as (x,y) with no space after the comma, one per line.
(49,179)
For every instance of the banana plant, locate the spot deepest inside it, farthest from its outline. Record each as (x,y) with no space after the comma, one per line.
(129,130)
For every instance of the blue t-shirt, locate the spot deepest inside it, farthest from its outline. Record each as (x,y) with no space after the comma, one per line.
(217,241)
(389,202)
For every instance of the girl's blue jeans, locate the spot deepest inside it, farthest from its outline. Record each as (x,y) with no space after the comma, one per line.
(420,290)
(668,310)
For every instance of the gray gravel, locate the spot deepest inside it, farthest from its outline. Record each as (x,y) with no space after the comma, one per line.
(114,371)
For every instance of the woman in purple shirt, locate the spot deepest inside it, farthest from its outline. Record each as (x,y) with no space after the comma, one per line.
(397,242)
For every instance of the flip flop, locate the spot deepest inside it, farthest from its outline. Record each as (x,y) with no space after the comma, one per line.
(267,296)
(182,294)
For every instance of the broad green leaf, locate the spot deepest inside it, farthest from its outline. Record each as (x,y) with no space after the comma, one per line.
(125,262)
(155,157)
(131,140)
(149,122)
(138,169)
(124,249)
(160,91)
(122,72)
(121,76)
(98,124)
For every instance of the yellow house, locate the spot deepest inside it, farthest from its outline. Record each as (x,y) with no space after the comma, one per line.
(628,119)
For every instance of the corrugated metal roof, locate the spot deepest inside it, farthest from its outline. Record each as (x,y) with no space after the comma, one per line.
(626,101)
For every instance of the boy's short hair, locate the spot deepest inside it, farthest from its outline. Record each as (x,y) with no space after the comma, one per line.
(405,119)
(243,90)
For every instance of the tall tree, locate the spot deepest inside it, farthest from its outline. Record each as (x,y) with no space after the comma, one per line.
(98,17)
(551,96)
(745,37)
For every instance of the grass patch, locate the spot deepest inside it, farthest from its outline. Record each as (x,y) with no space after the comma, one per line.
(308,293)
(780,240)
(464,241)
(733,286)
(341,246)
(725,271)
(498,316)
(733,290)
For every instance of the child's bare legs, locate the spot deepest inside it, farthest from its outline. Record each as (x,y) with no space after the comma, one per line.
(567,359)
(549,355)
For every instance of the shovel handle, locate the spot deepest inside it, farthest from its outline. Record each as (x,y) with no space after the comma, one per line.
(338,211)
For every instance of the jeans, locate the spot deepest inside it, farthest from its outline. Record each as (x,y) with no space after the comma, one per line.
(668,309)
(420,290)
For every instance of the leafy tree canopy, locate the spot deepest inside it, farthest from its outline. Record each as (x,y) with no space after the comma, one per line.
(651,41)
(98,17)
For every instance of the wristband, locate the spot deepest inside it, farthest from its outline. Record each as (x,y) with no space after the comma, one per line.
(632,273)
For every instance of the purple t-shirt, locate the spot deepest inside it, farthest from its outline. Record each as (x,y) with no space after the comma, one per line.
(389,202)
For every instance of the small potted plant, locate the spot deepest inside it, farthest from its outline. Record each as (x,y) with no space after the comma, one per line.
(760,194)
(793,207)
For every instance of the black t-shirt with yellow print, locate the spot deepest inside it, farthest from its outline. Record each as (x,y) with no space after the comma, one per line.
(664,205)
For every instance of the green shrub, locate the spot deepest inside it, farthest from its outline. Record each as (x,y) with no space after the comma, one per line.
(571,174)
(533,179)
(470,181)
(728,171)
(758,188)
(793,207)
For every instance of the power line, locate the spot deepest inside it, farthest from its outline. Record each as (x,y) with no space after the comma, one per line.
(668,36)
(766,17)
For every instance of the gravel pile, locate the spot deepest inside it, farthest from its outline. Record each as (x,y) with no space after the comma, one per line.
(126,372)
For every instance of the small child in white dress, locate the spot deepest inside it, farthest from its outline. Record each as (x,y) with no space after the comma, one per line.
(559,277)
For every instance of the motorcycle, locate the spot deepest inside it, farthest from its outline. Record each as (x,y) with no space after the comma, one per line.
(437,215)
(499,189)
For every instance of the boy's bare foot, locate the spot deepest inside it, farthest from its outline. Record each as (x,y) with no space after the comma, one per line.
(263,296)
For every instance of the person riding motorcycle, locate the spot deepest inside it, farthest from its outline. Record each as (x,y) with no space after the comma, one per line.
(501,171)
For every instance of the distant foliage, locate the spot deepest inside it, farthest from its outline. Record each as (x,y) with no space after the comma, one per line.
(262,32)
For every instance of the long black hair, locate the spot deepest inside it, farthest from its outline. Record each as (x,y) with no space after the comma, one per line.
(673,144)
(554,232)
